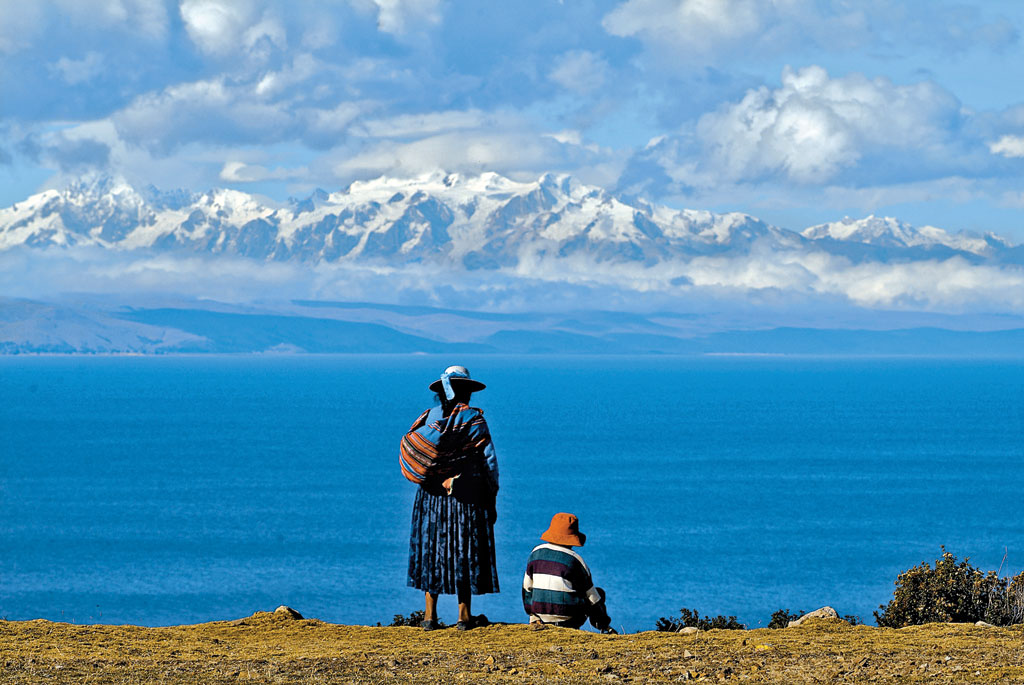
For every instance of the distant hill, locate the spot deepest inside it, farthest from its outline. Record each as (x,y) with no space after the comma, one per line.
(331,327)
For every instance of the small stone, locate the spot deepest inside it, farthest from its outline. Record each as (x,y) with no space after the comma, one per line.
(288,612)
(688,630)
(984,625)
(687,654)
(554,648)
(392,664)
(489,661)
(823,612)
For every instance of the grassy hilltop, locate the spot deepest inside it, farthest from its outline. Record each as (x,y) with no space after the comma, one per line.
(274,648)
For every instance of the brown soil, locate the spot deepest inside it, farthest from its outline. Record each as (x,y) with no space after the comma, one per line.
(274,648)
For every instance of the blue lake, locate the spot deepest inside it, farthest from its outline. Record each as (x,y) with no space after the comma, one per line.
(175,490)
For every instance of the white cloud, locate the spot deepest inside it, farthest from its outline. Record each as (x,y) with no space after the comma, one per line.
(697,25)
(209,109)
(242,172)
(1008,146)
(1012,198)
(76,71)
(701,30)
(698,30)
(567,137)
(148,17)
(407,16)
(814,126)
(264,37)
(302,68)
(424,124)
(507,152)
(223,27)
(218,111)
(214,25)
(580,71)
(952,285)
(332,123)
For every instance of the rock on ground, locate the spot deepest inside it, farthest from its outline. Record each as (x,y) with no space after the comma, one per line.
(823,612)
(288,612)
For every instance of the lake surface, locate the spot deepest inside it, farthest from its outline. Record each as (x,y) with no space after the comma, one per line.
(175,490)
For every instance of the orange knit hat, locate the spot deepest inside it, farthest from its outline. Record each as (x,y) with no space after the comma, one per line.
(564,530)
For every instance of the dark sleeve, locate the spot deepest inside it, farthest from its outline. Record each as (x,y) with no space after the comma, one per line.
(480,437)
(584,584)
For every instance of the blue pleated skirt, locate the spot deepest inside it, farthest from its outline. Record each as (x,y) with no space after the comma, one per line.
(451,545)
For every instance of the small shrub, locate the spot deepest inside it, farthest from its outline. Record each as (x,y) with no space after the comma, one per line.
(953,592)
(413,620)
(1015,599)
(692,619)
(782,617)
(852,619)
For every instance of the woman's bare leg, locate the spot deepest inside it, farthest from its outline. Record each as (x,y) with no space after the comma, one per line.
(465,603)
(430,614)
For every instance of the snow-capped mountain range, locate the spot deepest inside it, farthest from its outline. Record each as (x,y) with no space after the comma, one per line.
(483,222)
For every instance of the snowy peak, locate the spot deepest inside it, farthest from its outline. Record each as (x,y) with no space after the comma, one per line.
(455,221)
(890,232)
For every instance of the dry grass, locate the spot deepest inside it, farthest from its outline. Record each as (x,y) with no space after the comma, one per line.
(275,649)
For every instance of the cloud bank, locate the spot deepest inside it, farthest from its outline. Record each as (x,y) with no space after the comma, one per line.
(798,279)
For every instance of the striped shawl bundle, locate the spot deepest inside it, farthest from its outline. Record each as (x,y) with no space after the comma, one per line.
(436,450)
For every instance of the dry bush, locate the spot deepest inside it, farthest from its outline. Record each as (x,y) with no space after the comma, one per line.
(953,592)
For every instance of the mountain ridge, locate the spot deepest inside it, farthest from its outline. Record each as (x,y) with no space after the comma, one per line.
(484,222)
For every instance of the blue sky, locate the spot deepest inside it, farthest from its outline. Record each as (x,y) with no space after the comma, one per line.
(796,111)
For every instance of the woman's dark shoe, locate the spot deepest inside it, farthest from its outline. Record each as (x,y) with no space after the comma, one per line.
(474,622)
(429,625)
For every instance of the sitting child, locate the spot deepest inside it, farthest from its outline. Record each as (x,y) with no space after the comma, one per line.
(557,588)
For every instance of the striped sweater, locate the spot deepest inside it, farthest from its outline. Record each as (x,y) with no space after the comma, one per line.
(557,586)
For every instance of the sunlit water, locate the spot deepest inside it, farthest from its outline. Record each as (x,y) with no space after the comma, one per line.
(172,490)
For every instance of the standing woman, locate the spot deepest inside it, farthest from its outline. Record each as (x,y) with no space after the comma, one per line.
(449,454)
